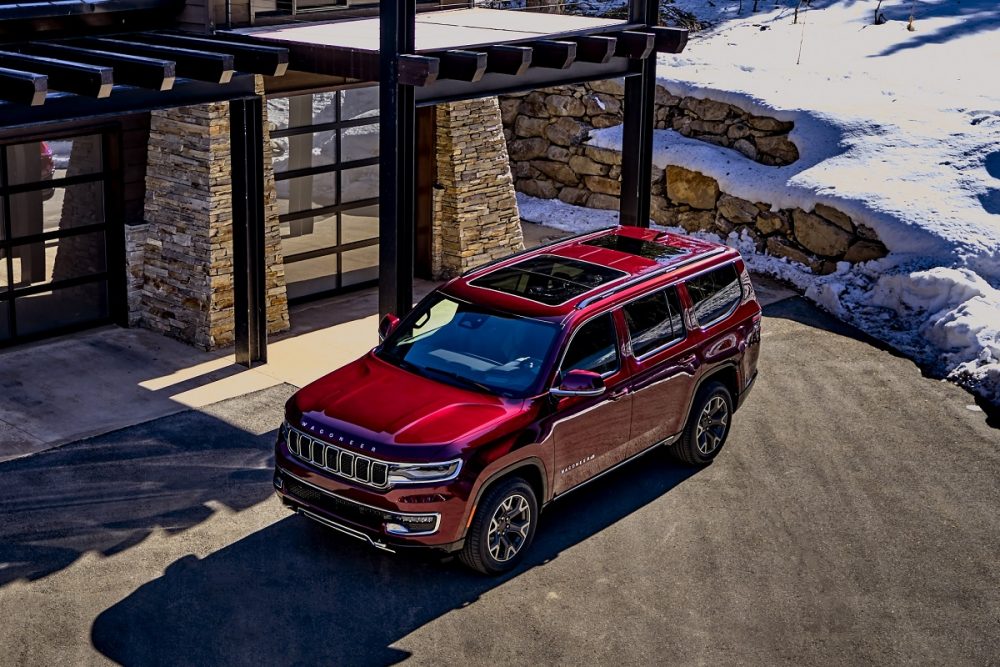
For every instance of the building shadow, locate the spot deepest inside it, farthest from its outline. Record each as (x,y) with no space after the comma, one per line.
(108,493)
(296,593)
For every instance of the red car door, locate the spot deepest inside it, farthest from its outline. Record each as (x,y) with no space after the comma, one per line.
(589,432)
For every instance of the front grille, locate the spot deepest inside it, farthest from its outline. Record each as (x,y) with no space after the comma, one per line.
(338,461)
(358,514)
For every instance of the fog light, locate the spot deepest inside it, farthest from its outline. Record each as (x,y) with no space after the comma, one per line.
(408,525)
(278,483)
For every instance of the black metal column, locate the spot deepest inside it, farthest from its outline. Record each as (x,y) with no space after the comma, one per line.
(249,268)
(637,129)
(397,160)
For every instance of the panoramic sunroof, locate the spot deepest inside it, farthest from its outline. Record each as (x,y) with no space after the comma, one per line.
(548,279)
(633,246)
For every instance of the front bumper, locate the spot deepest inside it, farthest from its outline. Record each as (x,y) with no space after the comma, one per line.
(389,519)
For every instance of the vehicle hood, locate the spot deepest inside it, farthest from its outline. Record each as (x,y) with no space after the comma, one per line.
(377,401)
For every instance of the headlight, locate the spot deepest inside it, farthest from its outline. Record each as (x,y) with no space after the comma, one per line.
(417,473)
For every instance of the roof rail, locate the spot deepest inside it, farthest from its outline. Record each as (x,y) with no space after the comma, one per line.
(566,239)
(643,277)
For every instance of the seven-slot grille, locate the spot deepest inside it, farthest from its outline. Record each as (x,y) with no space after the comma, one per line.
(338,461)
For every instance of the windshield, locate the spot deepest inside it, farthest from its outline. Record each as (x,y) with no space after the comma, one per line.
(471,346)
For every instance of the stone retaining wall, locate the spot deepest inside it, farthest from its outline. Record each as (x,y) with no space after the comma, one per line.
(546,131)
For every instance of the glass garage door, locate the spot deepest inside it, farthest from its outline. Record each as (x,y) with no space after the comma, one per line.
(325,153)
(53,237)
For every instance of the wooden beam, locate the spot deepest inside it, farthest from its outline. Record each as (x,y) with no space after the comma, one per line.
(149,73)
(670,40)
(553,54)
(462,65)
(634,44)
(595,48)
(418,70)
(251,58)
(190,63)
(23,87)
(508,59)
(71,77)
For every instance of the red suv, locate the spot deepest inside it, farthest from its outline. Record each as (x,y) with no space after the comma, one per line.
(518,382)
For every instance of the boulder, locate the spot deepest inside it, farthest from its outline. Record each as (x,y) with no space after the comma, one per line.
(564,105)
(574,196)
(746,148)
(780,149)
(706,127)
(738,131)
(508,110)
(865,251)
(533,105)
(527,149)
(691,187)
(662,212)
(557,171)
(765,124)
(566,132)
(665,98)
(558,153)
(773,222)
(780,247)
(603,201)
(842,220)
(526,126)
(585,166)
(607,186)
(736,210)
(818,235)
(605,120)
(601,103)
(603,155)
(608,86)
(866,232)
(696,221)
(705,109)
(536,188)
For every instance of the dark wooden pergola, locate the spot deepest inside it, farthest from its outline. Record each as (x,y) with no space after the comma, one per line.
(111,75)
(467,54)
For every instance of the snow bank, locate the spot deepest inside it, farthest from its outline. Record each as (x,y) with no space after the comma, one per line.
(899,129)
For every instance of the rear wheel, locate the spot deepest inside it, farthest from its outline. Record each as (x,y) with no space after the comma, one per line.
(502,528)
(707,426)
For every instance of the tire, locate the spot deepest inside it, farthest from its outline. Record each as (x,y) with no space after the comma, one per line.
(707,426)
(492,548)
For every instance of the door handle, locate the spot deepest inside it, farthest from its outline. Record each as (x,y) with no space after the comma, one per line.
(615,395)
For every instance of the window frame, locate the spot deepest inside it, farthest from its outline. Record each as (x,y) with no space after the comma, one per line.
(671,285)
(691,309)
(569,342)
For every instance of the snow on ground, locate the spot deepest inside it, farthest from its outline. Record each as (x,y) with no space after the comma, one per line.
(900,129)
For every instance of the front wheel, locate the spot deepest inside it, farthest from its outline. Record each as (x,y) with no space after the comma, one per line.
(707,427)
(502,528)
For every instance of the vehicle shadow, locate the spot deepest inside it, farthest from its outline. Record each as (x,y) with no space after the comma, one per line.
(108,493)
(297,593)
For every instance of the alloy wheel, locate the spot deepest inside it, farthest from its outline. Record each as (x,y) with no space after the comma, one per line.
(712,425)
(509,528)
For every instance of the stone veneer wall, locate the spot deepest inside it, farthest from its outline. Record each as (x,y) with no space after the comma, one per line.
(475,208)
(546,131)
(187,260)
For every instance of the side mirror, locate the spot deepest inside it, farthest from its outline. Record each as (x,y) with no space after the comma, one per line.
(579,383)
(387,326)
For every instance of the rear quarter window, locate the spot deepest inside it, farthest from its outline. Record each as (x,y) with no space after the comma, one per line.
(714,294)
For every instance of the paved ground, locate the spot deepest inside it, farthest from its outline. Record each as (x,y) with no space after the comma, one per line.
(851,519)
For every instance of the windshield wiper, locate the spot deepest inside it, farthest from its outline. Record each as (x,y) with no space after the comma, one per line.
(461,378)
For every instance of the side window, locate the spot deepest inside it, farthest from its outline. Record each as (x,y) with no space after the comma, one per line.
(594,347)
(654,321)
(714,294)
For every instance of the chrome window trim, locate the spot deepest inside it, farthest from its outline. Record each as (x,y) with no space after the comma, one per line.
(618,343)
(436,515)
(709,325)
(673,284)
